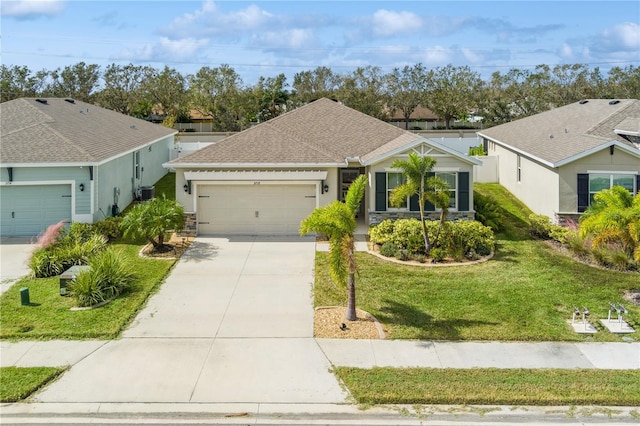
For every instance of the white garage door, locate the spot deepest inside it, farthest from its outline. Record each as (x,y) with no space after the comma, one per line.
(29,210)
(254,209)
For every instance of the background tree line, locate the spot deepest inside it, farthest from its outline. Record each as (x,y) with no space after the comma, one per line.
(219,93)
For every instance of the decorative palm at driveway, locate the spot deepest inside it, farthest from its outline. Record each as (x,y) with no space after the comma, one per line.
(232,323)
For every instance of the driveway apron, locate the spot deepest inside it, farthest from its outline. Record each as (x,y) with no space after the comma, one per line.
(232,323)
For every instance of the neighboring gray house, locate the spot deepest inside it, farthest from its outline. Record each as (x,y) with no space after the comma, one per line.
(557,160)
(65,160)
(268,178)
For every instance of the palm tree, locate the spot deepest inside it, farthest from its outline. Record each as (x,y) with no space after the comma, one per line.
(153,220)
(337,221)
(614,217)
(416,170)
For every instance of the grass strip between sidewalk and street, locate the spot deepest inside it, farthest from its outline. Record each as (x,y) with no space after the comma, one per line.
(17,383)
(492,386)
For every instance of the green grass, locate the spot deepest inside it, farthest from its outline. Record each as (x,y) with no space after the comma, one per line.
(166,186)
(18,383)
(515,215)
(526,293)
(50,317)
(492,386)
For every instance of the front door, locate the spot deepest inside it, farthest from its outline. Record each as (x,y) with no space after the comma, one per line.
(347,176)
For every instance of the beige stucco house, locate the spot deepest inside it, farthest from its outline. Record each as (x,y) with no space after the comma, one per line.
(557,160)
(268,178)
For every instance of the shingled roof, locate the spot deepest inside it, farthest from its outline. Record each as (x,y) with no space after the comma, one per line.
(58,130)
(562,134)
(323,132)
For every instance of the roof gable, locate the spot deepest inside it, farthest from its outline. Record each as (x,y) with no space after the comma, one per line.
(564,134)
(321,132)
(67,131)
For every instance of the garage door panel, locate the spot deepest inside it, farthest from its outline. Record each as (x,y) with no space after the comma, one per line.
(30,209)
(254,209)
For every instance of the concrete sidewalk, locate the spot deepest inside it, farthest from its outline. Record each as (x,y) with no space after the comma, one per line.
(349,353)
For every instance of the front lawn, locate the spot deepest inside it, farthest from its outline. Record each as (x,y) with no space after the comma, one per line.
(18,383)
(525,293)
(492,386)
(50,317)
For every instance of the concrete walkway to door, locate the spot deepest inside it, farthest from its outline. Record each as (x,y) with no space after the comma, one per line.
(232,323)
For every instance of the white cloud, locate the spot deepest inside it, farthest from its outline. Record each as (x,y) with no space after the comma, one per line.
(166,49)
(387,23)
(437,55)
(625,36)
(472,55)
(209,19)
(28,9)
(565,51)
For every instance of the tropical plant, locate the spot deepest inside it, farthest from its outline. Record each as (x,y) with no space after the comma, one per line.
(109,276)
(337,221)
(614,219)
(153,219)
(487,211)
(416,170)
(70,249)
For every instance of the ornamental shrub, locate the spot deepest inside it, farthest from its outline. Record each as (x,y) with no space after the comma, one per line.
(388,249)
(381,233)
(541,227)
(109,276)
(109,227)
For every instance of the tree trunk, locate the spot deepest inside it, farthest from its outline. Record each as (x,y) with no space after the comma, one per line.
(425,234)
(351,300)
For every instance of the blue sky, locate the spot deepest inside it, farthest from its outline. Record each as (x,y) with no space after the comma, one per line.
(265,38)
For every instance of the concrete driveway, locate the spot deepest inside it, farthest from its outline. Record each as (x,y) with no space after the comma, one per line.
(232,323)
(14,257)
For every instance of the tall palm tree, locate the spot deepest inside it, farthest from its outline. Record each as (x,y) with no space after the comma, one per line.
(614,217)
(337,221)
(416,170)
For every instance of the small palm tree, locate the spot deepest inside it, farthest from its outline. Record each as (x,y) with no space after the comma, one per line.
(614,217)
(337,221)
(416,170)
(153,219)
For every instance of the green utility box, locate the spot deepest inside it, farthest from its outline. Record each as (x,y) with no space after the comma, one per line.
(24,296)
(70,275)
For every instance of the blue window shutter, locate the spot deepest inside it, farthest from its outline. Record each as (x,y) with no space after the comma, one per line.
(428,206)
(583,192)
(463,191)
(381,191)
(414,205)
(637,184)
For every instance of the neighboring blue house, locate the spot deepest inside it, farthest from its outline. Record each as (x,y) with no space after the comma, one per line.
(65,160)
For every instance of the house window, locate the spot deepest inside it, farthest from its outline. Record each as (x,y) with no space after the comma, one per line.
(450,178)
(519,168)
(600,181)
(394,180)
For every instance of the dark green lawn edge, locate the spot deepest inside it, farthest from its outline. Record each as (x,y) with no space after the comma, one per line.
(17,383)
(481,386)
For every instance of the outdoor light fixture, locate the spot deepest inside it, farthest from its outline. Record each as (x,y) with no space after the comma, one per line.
(186,187)
(81,187)
(325,188)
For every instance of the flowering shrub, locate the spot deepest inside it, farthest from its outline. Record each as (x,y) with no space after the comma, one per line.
(457,240)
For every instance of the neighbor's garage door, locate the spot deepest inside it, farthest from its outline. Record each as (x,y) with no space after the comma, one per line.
(29,210)
(254,209)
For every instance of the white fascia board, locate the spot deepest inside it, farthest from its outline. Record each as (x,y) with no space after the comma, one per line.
(519,151)
(617,144)
(418,142)
(204,166)
(25,165)
(138,148)
(255,175)
(626,132)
